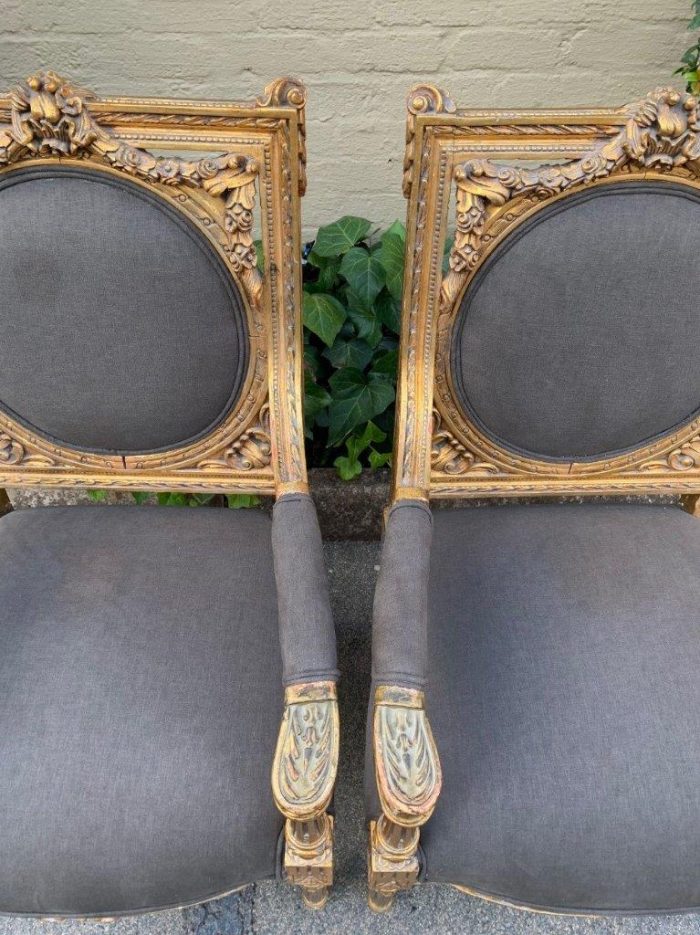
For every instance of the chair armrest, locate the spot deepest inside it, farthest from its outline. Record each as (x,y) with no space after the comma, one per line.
(400,616)
(407,765)
(307,634)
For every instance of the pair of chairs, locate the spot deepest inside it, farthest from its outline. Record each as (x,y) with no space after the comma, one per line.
(556,646)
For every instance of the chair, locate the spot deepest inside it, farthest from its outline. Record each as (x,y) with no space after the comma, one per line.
(555,646)
(143,651)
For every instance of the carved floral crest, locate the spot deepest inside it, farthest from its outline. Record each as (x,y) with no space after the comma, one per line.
(660,133)
(51,117)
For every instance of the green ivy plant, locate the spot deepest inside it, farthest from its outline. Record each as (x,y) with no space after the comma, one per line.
(690,67)
(234,501)
(353,279)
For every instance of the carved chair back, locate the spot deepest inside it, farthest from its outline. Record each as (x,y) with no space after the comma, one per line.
(141,346)
(556,352)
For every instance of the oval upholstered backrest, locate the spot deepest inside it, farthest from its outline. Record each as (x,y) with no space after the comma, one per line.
(579,335)
(120,327)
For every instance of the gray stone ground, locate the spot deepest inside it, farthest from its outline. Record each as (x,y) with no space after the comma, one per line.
(274,909)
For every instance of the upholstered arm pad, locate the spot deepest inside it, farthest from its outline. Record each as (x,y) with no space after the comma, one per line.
(400,623)
(307,635)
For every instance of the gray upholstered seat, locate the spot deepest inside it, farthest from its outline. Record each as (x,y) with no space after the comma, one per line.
(564,694)
(140,698)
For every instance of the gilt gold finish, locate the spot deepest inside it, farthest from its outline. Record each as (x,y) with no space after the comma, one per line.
(452,155)
(473,159)
(303,778)
(409,779)
(259,169)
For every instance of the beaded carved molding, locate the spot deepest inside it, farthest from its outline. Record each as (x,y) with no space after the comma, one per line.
(258,166)
(471,158)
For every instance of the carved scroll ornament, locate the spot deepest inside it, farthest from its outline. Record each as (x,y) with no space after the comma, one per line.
(660,133)
(51,117)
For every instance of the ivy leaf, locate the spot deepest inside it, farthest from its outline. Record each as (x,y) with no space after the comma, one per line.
(200,499)
(357,398)
(347,468)
(328,269)
(242,501)
(388,311)
(259,256)
(364,274)
(378,459)
(324,315)
(97,496)
(387,363)
(316,398)
(364,319)
(329,274)
(371,433)
(391,256)
(336,239)
(312,358)
(140,496)
(397,229)
(354,353)
(172,499)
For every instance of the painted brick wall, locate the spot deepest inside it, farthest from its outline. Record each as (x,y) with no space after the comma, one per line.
(358,58)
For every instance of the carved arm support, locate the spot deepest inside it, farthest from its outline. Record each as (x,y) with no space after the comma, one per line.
(406,761)
(306,759)
(303,778)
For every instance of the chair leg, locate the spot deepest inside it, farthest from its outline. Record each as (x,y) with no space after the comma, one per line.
(691,504)
(303,777)
(308,858)
(393,861)
(409,779)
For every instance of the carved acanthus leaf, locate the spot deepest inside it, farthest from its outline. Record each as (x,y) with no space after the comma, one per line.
(51,117)
(407,764)
(251,451)
(450,456)
(660,133)
(306,759)
(684,458)
(13,452)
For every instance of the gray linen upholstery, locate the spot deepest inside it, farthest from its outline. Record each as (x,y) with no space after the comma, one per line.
(400,617)
(307,634)
(140,699)
(564,694)
(578,336)
(120,327)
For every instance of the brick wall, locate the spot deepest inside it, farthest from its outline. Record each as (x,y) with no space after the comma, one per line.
(358,58)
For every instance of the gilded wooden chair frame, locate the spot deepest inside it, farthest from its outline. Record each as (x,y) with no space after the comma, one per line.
(474,160)
(258,448)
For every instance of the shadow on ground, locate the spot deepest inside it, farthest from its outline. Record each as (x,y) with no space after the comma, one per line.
(275,909)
